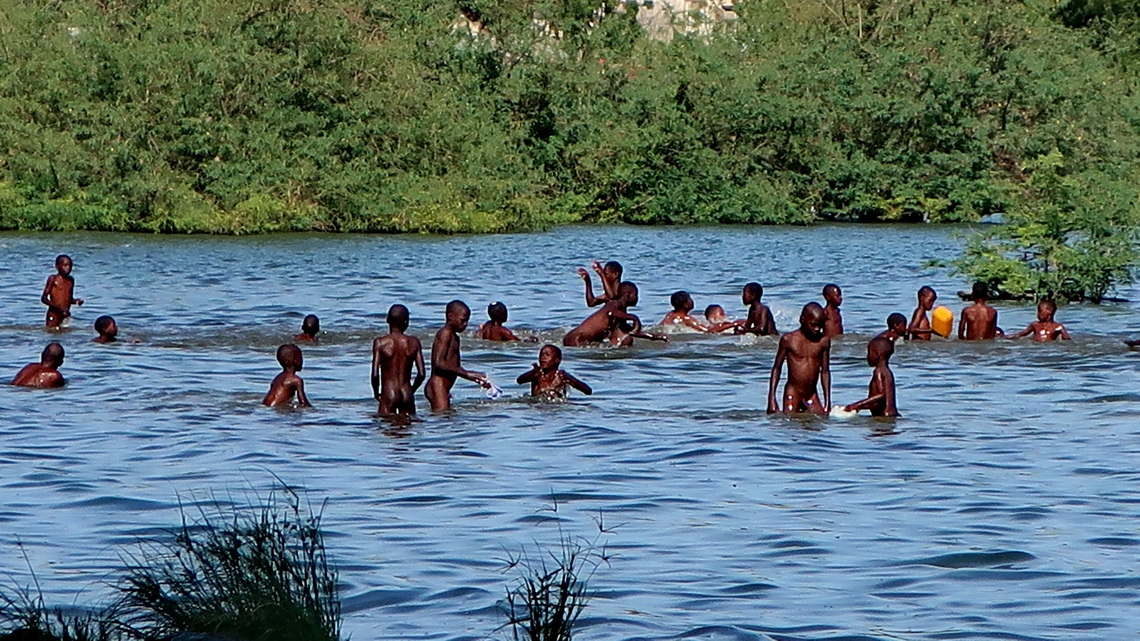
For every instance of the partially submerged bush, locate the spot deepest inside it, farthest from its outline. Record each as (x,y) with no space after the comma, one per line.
(550,592)
(250,576)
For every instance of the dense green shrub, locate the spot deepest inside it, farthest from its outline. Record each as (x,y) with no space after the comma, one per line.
(377,115)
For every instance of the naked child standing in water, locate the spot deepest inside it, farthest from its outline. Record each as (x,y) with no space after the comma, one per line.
(392,359)
(808,354)
(445,362)
(59,293)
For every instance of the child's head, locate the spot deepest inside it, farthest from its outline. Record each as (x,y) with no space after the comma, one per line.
(812,320)
(1045,310)
(549,357)
(289,356)
(751,293)
(927,296)
(627,292)
(714,313)
(681,301)
(52,356)
(63,264)
(311,325)
(398,317)
(879,350)
(497,312)
(613,270)
(980,292)
(896,322)
(106,327)
(457,314)
(833,295)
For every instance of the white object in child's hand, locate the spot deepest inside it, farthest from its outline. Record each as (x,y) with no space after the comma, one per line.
(841,411)
(493,391)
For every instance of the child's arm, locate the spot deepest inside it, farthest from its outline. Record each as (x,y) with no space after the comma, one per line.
(962,326)
(573,381)
(591,300)
(376,370)
(301,398)
(774,381)
(45,298)
(509,335)
(420,369)
(636,331)
(915,327)
(445,360)
(689,321)
(825,374)
(1064,333)
(770,324)
(1023,333)
(528,377)
(866,403)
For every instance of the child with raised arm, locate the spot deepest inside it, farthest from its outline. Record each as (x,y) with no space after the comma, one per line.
(881,390)
(979,321)
(610,277)
(759,319)
(808,354)
(310,327)
(493,329)
(612,322)
(392,359)
(287,384)
(44,374)
(833,297)
(919,328)
(547,380)
(59,293)
(1045,328)
(683,304)
(896,327)
(445,361)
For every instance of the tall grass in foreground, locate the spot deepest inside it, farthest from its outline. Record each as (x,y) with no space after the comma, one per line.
(27,618)
(550,591)
(253,575)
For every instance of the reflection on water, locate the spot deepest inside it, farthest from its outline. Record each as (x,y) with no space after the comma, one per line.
(1002,505)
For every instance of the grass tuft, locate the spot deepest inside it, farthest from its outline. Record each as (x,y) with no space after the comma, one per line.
(550,592)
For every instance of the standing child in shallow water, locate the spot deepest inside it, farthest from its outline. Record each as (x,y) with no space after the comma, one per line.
(759,319)
(287,384)
(59,293)
(610,277)
(547,379)
(919,328)
(445,361)
(683,304)
(392,359)
(1045,328)
(493,329)
(310,327)
(833,296)
(881,391)
(808,354)
(44,374)
(979,321)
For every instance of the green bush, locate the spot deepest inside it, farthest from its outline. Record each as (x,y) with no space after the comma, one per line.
(374,115)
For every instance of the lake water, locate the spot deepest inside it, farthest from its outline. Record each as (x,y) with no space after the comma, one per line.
(1002,505)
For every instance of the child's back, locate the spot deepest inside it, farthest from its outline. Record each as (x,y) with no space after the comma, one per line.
(287,384)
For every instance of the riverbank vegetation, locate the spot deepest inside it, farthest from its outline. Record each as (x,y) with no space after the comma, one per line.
(471,116)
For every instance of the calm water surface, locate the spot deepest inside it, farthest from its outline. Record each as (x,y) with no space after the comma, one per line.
(1003,505)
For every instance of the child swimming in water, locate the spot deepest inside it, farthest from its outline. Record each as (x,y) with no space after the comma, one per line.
(718,321)
(287,384)
(310,327)
(881,390)
(979,321)
(682,304)
(1045,328)
(547,380)
(107,329)
(759,319)
(44,374)
(493,329)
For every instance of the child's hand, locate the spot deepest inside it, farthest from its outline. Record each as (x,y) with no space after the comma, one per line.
(79,301)
(583,274)
(598,267)
(480,378)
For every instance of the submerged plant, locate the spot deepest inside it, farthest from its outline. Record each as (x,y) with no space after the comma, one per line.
(259,575)
(550,592)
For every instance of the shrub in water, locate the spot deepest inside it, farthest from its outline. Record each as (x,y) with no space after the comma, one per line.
(548,596)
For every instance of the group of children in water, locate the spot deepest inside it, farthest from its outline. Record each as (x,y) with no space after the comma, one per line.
(805,352)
